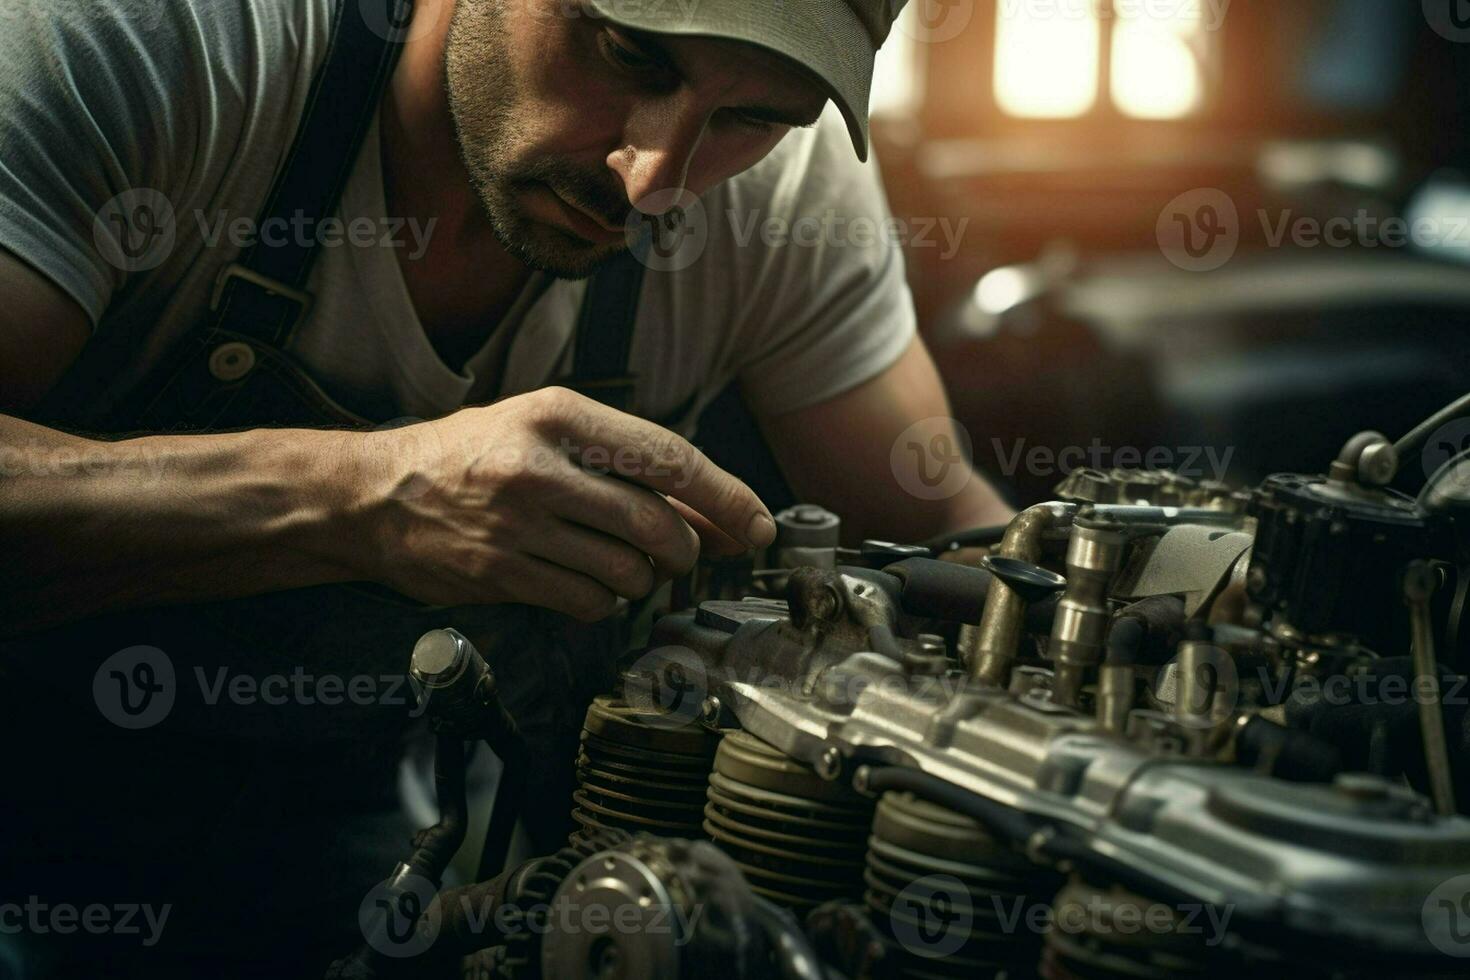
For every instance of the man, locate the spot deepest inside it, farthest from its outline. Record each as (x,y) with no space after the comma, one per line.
(151,157)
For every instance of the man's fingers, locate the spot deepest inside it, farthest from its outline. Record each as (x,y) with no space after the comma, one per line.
(538,582)
(615,564)
(635,449)
(645,520)
(714,541)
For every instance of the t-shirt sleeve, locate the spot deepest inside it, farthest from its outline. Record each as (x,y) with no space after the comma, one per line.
(829,306)
(86,89)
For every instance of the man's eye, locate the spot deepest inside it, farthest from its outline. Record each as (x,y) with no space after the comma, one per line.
(624,55)
(749,121)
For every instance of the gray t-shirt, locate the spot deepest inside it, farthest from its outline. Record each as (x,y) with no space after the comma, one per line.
(176,115)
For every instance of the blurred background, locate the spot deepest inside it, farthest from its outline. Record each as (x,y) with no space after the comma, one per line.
(1135,185)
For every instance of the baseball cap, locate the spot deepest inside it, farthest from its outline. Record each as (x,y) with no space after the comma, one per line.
(836,40)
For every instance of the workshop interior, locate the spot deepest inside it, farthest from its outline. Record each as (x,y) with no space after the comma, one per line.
(1197,278)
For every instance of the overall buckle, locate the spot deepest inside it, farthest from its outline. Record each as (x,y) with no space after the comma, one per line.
(272,287)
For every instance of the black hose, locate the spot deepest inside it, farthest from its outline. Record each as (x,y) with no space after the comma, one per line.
(1410,444)
(793,953)
(435,846)
(975,537)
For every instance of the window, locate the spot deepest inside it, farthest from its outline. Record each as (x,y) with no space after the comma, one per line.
(1048,55)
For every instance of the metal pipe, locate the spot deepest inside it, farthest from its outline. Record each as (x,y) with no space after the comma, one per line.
(1115,681)
(991,650)
(1094,556)
(1418,588)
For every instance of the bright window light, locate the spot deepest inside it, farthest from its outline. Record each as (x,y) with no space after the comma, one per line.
(1046,59)
(1157,51)
(897,73)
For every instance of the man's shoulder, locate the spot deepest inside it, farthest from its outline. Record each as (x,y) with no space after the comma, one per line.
(809,208)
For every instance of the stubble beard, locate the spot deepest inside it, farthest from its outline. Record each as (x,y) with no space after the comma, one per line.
(484,105)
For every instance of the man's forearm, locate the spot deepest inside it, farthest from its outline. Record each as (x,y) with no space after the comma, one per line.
(89,526)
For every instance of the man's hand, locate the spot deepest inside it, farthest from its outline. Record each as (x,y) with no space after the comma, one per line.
(548,498)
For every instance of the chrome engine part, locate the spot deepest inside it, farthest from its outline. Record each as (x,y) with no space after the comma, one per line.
(1116,716)
(1156,730)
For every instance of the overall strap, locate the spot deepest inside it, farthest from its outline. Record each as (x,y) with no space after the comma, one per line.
(605,332)
(262,295)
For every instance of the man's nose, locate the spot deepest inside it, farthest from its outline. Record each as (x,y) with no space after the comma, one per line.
(659,142)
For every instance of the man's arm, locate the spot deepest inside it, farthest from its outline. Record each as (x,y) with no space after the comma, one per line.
(839,453)
(480,506)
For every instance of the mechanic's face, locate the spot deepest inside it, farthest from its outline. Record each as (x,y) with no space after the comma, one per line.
(565,121)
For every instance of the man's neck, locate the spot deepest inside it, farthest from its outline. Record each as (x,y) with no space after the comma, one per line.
(465,281)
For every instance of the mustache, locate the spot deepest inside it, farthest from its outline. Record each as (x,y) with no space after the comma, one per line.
(602,197)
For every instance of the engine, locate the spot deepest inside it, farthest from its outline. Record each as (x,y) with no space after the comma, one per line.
(1151,728)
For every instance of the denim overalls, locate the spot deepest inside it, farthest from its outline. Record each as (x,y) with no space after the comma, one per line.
(239,805)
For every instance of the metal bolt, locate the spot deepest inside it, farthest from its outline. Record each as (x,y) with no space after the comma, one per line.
(1255,579)
(829,763)
(1378,464)
(709,711)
